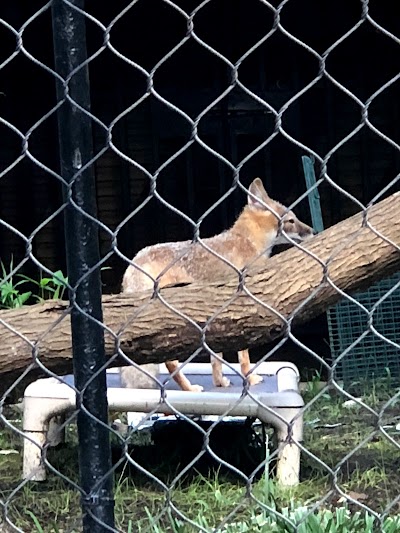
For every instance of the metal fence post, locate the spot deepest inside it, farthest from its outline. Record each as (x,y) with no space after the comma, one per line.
(82,248)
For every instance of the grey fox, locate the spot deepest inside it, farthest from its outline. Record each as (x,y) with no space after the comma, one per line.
(247,243)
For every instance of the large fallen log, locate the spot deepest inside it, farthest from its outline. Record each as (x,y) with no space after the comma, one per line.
(296,285)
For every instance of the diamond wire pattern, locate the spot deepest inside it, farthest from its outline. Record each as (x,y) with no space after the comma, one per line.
(151,92)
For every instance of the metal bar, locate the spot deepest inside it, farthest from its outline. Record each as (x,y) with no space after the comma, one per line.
(313,196)
(82,250)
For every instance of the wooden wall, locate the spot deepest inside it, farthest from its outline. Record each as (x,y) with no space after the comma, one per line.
(150,132)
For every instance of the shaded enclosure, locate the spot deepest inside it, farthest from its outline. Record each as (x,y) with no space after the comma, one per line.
(271,65)
(150,132)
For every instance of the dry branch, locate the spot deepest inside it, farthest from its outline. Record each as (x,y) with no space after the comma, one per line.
(350,256)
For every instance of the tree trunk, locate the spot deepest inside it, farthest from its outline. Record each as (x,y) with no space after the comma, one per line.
(295,287)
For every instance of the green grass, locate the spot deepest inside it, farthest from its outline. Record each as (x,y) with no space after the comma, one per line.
(207,502)
(364,461)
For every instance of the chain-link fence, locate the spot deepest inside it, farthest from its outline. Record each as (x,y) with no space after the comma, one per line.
(129,124)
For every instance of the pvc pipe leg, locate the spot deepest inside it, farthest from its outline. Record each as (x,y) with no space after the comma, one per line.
(33,466)
(288,464)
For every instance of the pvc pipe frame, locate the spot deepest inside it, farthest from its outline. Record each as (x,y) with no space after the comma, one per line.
(48,398)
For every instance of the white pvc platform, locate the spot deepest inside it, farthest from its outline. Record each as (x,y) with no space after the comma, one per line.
(276,401)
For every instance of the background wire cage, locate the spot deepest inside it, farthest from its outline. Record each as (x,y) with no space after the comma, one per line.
(359,352)
(369,356)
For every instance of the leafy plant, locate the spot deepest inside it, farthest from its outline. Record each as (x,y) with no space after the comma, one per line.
(49,288)
(10,295)
(293,519)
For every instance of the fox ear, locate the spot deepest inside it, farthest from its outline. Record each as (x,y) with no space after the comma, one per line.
(257,190)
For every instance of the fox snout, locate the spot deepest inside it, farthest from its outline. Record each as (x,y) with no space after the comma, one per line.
(305,232)
(301,233)
(293,228)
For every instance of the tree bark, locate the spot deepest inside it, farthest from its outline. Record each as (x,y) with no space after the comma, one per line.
(296,286)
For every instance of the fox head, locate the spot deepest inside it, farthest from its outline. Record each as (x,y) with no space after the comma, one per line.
(279,223)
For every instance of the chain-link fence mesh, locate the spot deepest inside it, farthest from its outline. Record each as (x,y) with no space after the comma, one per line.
(189,103)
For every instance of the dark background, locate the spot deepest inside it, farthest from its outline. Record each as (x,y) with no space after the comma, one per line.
(151,132)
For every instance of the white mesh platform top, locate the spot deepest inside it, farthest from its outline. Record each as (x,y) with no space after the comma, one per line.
(276,401)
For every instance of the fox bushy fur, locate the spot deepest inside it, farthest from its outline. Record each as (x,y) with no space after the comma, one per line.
(262,224)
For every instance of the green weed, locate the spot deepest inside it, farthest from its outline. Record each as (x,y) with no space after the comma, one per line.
(10,295)
(49,288)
